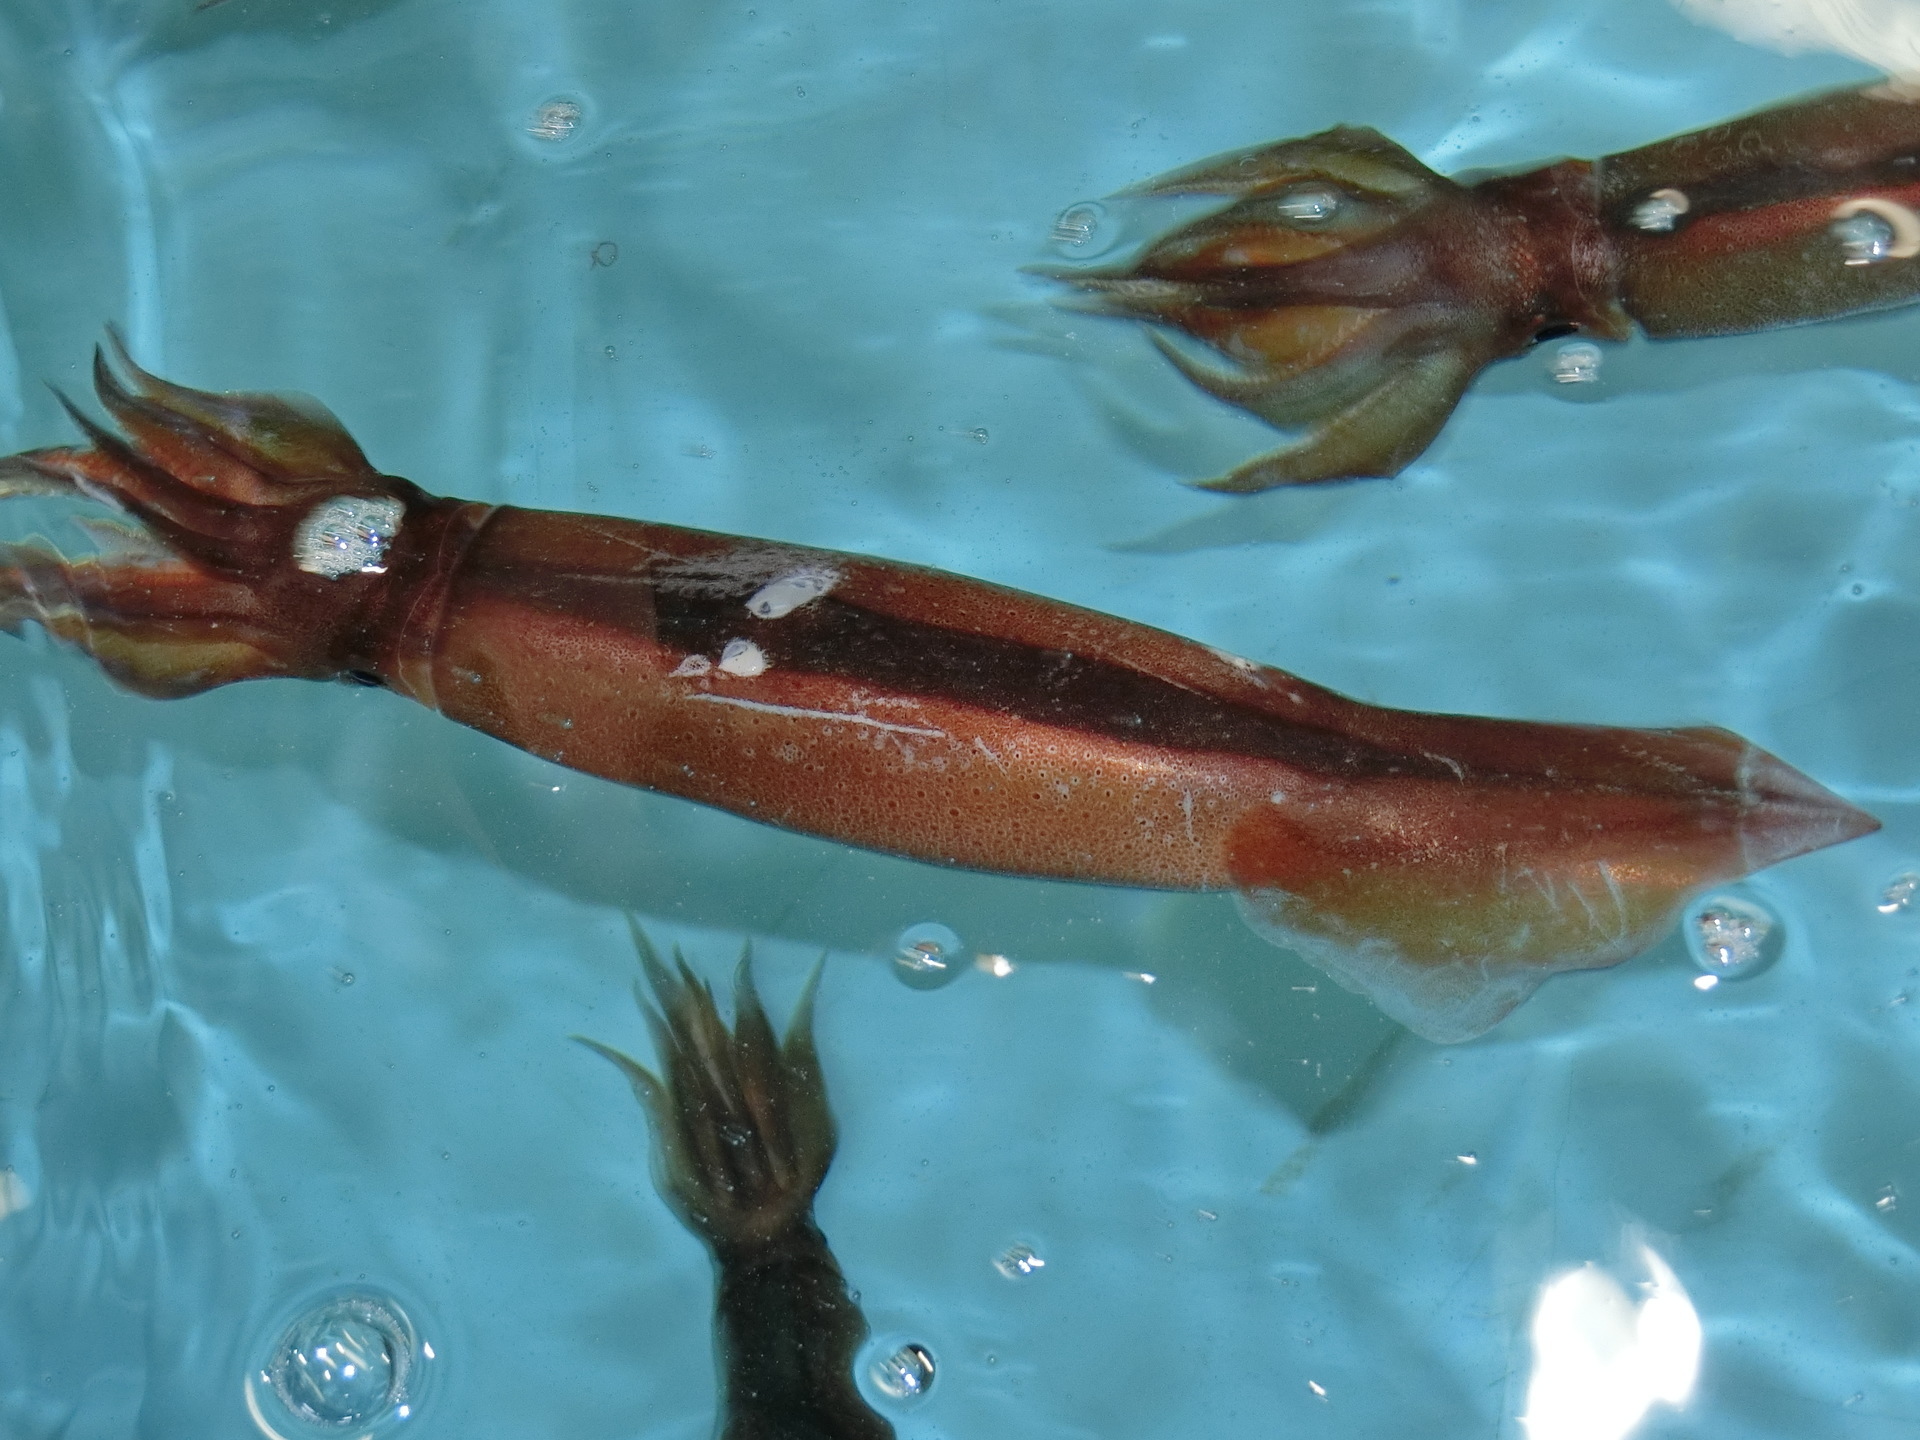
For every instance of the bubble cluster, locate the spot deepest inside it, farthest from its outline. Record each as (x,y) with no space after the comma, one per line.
(347,535)
(1731,938)
(927,956)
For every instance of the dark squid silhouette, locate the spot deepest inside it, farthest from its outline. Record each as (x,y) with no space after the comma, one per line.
(742,1138)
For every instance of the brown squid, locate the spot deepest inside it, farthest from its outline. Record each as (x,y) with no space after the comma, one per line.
(1354,294)
(1442,864)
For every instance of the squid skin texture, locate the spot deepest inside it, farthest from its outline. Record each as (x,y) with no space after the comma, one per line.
(1442,864)
(1365,324)
(743,1136)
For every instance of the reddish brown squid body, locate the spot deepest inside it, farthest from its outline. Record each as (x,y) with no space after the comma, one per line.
(1444,864)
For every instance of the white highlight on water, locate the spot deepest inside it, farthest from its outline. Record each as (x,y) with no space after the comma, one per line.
(1884,33)
(1600,1361)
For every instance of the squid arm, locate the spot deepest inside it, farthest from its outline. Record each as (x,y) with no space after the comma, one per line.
(1805,212)
(1442,864)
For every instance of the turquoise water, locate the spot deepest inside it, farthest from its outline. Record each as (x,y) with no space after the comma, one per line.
(289,970)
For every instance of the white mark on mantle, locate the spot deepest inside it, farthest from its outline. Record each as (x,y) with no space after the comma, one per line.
(806,714)
(789,592)
(743,658)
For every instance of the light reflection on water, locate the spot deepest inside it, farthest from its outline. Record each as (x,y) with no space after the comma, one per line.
(1602,1359)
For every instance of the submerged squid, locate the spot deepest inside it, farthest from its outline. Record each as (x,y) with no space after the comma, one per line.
(742,1138)
(1442,864)
(1355,294)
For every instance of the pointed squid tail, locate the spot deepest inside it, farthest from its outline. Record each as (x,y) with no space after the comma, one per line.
(254,539)
(1450,901)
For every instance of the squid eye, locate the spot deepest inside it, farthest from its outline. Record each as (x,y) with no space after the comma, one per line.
(1308,204)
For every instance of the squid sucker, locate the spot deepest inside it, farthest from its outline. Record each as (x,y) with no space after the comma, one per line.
(1441,864)
(1354,294)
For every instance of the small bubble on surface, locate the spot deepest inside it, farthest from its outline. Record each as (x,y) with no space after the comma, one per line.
(787,593)
(998,966)
(1887,1201)
(927,956)
(1901,895)
(1077,226)
(1730,938)
(978,434)
(555,120)
(743,658)
(1019,1262)
(1576,363)
(603,257)
(1659,210)
(1865,238)
(1468,1159)
(906,1374)
(1307,204)
(347,1361)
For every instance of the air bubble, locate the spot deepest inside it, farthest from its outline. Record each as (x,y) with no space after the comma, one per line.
(1019,1262)
(1307,204)
(1082,229)
(1887,1201)
(1901,895)
(906,1374)
(1865,238)
(555,120)
(927,956)
(1730,938)
(351,1360)
(1576,363)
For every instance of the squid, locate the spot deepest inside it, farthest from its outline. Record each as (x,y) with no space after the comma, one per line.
(742,1138)
(1442,864)
(1350,293)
